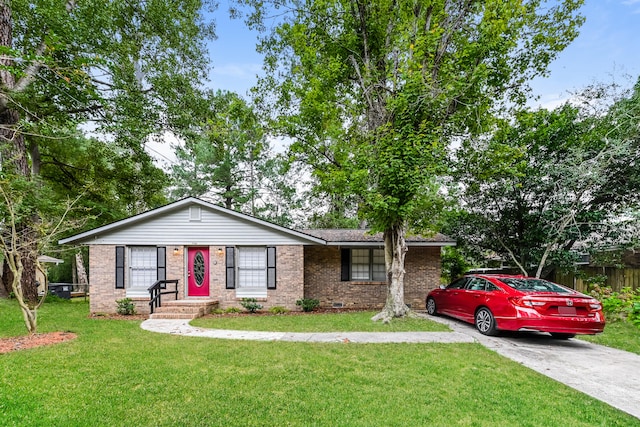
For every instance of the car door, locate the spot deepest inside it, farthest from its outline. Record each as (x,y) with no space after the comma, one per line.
(450,297)
(473,295)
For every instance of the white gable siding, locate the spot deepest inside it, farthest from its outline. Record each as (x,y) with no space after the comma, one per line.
(179,228)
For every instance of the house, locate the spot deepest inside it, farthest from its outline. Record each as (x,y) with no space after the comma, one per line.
(202,251)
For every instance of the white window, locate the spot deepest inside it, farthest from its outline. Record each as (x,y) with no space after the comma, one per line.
(252,272)
(360,264)
(368,264)
(143,271)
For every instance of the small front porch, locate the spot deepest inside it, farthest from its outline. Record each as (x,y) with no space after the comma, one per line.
(184,309)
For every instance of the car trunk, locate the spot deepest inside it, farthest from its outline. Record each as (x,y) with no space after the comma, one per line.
(560,306)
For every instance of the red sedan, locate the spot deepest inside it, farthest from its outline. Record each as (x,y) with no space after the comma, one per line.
(517,303)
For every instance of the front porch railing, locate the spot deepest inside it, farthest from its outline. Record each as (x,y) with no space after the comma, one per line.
(157,290)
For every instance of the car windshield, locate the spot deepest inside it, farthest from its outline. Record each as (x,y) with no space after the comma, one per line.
(534,285)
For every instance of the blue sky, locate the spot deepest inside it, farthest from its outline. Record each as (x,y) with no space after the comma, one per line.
(607,48)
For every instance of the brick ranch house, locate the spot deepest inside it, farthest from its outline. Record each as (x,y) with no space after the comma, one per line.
(206,252)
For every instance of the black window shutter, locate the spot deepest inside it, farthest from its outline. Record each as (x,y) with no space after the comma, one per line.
(231,267)
(119,267)
(271,267)
(345,264)
(162,264)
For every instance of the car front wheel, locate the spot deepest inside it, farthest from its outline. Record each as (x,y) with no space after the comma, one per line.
(431,307)
(485,322)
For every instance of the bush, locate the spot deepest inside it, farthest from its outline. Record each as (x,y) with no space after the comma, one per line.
(231,310)
(250,304)
(126,307)
(278,310)
(308,304)
(51,298)
(623,305)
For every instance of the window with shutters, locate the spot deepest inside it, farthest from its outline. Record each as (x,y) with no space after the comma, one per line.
(252,272)
(143,270)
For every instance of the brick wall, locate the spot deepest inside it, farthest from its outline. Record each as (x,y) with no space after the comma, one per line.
(102,279)
(322,279)
(103,293)
(102,266)
(289,281)
(309,272)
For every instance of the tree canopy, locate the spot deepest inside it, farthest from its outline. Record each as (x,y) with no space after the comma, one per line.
(547,185)
(374,92)
(120,71)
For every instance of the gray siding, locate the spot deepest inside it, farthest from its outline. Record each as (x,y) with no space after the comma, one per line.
(176,228)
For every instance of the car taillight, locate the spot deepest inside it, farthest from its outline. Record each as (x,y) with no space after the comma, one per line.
(522,302)
(595,306)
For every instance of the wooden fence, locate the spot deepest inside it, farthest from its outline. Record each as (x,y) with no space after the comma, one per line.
(617,278)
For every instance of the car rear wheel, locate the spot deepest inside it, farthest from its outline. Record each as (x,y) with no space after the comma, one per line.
(561,336)
(485,322)
(431,307)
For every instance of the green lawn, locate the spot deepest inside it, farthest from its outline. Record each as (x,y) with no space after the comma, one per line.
(311,322)
(115,374)
(622,335)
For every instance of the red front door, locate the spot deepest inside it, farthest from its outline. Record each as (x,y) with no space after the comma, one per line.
(198,272)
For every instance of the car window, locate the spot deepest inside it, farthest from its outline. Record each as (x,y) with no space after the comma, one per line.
(534,285)
(458,284)
(492,287)
(476,284)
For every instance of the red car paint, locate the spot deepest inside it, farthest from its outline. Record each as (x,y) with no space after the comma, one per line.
(513,303)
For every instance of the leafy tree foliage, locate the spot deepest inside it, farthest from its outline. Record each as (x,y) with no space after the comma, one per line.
(373,92)
(227,159)
(547,181)
(124,70)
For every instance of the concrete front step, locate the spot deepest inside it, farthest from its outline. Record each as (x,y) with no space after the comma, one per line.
(184,309)
(189,316)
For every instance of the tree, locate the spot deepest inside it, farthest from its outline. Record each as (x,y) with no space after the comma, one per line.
(227,159)
(126,70)
(223,157)
(546,181)
(373,92)
(20,198)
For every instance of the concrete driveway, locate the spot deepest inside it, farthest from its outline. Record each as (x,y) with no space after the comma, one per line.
(607,374)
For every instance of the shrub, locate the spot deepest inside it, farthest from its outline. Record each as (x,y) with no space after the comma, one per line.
(51,298)
(250,304)
(231,310)
(623,305)
(217,311)
(126,307)
(308,304)
(278,310)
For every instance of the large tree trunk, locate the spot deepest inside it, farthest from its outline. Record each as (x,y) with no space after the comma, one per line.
(15,157)
(395,248)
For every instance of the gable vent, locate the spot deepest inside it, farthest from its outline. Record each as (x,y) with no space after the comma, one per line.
(195,213)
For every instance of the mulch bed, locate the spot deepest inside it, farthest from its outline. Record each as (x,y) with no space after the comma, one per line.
(36,340)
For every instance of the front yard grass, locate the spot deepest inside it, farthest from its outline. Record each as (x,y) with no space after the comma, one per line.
(358,321)
(620,334)
(116,374)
